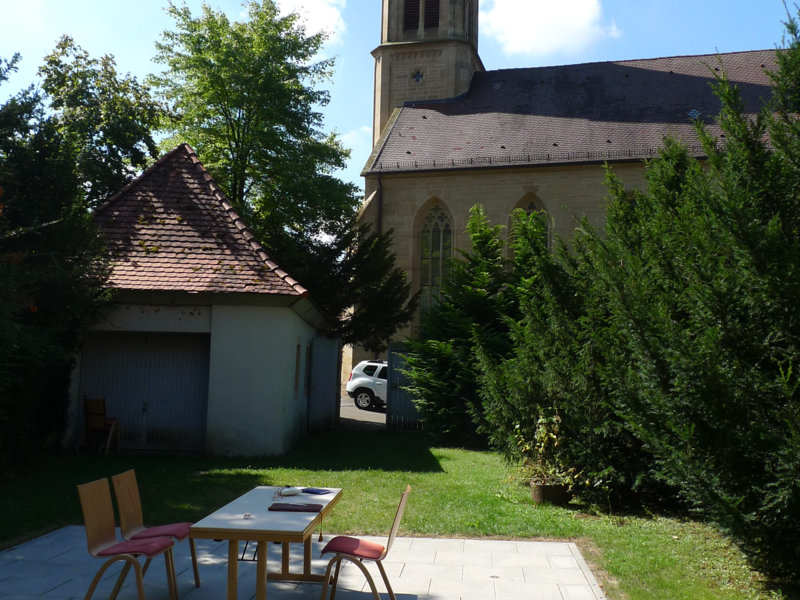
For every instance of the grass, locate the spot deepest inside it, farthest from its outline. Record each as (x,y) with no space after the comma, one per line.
(456,493)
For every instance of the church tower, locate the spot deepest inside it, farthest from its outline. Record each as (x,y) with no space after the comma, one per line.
(428,51)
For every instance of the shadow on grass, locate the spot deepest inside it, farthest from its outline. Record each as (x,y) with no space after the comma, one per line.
(43,496)
(364,451)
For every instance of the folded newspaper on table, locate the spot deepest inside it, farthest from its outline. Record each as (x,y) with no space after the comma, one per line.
(295,507)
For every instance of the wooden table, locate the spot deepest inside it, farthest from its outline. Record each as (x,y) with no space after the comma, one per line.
(264,526)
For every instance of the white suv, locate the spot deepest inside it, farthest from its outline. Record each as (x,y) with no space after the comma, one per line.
(367,384)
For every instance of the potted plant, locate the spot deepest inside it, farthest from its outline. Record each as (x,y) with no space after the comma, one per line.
(550,480)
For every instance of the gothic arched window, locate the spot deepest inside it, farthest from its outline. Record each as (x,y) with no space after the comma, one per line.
(436,249)
(534,207)
(531,205)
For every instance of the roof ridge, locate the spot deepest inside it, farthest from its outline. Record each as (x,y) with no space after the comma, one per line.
(138,179)
(627,60)
(240,225)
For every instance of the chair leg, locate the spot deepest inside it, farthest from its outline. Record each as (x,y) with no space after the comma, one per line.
(386,580)
(327,578)
(112,432)
(172,584)
(335,585)
(355,560)
(132,562)
(146,566)
(194,563)
(120,581)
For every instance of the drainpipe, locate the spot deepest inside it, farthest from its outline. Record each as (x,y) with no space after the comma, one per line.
(380,218)
(380,205)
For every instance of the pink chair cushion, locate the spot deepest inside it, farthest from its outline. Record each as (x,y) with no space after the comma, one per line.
(348,545)
(178,531)
(149,547)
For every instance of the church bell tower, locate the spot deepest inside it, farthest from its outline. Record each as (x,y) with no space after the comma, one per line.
(428,51)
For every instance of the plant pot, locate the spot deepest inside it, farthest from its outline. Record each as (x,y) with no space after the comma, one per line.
(552,494)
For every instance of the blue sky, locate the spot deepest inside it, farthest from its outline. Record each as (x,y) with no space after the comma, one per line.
(513,34)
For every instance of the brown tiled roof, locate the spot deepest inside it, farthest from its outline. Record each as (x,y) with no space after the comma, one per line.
(172,229)
(569,114)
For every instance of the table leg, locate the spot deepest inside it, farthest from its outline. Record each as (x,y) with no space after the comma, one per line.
(285,558)
(307,556)
(233,569)
(261,572)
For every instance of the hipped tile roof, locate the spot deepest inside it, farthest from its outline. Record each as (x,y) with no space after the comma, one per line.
(172,229)
(570,114)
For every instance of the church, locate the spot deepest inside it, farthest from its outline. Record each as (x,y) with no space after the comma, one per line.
(448,134)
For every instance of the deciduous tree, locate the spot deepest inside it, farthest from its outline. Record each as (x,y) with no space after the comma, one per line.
(244,95)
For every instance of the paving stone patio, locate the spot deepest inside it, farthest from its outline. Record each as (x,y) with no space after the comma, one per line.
(57,566)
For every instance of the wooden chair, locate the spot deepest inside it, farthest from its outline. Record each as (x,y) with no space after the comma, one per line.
(98,515)
(131,520)
(97,426)
(357,551)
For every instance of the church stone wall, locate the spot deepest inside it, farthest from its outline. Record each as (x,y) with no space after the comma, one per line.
(562,191)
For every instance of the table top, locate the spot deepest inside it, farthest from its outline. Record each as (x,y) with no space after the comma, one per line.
(229,523)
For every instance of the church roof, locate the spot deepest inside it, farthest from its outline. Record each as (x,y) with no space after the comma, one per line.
(593,112)
(172,229)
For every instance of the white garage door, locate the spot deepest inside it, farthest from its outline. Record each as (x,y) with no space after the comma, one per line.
(156,384)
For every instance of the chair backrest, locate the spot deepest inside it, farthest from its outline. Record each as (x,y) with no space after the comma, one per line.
(128,503)
(98,515)
(94,411)
(397,518)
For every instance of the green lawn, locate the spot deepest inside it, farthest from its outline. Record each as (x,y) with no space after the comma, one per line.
(455,493)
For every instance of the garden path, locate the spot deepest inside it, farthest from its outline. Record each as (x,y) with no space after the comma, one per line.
(58,567)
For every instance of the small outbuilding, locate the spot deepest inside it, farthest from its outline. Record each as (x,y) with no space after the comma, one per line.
(210,347)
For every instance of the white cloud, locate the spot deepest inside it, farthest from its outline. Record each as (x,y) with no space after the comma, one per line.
(319,15)
(544,27)
(357,137)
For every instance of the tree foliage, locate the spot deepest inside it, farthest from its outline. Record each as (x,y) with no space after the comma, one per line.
(702,276)
(244,95)
(662,354)
(441,366)
(52,267)
(106,118)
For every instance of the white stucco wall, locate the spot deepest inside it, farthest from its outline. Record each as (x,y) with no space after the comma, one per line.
(252,407)
(143,317)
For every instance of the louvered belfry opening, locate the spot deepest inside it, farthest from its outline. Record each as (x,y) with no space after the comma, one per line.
(431,14)
(411,14)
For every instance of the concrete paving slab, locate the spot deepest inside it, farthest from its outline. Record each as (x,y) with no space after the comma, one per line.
(57,567)
(422,557)
(493,573)
(549,548)
(493,546)
(521,560)
(567,576)
(437,545)
(474,558)
(576,592)
(563,562)
(515,590)
(462,589)
(439,572)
